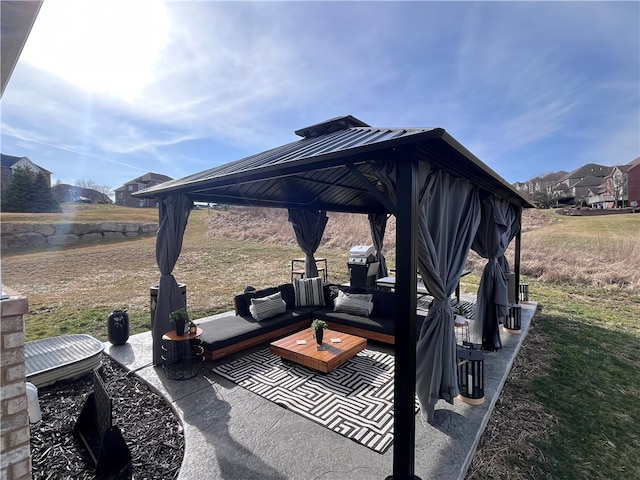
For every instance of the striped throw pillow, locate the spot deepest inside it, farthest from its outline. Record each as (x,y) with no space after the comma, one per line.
(308,292)
(267,307)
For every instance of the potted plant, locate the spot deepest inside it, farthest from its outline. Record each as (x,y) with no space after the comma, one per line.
(459,317)
(179,318)
(318,327)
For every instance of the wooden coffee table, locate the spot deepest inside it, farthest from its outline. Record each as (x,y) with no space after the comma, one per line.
(324,359)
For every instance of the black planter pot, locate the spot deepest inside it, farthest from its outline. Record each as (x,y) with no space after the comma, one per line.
(179,326)
(118,327)
(319,335)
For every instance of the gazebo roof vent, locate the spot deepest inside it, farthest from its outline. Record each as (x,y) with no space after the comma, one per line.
(330,126)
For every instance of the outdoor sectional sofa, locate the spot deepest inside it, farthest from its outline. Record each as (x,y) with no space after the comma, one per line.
(233,333)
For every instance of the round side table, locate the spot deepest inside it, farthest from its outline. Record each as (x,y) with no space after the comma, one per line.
(182,355)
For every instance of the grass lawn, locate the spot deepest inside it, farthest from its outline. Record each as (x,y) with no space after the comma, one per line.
(86,213)
(591,384)
(571,406)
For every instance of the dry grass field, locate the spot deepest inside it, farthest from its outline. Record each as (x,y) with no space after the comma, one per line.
(75,288)
(571,406)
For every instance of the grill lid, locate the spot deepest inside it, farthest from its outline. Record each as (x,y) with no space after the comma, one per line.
(362,255)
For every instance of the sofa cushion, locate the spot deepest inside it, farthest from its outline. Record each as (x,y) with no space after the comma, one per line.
(229,330)
(309,292)
(267,307)
(358,304)
(375,324)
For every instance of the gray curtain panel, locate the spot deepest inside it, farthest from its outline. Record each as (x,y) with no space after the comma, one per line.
(449,219)
(308,226)
(378,226)
(513,218)
(498,225)
(174,214)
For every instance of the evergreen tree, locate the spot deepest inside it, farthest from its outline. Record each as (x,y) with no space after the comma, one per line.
(16,193)
(42,197)
(27,192)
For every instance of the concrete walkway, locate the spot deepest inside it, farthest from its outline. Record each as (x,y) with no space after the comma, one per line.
(233,434)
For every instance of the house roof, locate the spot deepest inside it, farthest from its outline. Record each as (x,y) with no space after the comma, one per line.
(622,168)
(553,176)
(589,181)
(151,177)
(148,177)
(9,161)
(333,168)
(589,169)
(635,163)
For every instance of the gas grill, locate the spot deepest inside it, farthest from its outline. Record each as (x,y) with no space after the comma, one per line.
(363,268)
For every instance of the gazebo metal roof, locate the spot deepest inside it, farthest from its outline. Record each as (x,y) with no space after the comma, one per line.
(333,168)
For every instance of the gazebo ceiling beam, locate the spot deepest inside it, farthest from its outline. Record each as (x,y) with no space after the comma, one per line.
(270,203)
(371,188)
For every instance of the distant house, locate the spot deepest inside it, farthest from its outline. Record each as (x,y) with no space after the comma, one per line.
(577,186)
(592,184)
(10,163)
(123,194)
(633,183)
(620,188)
(543,190)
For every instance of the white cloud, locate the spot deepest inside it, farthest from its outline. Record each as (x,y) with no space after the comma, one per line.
(502,77)
(104,47)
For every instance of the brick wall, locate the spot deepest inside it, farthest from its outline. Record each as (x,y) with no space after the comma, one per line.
(15,461)
(633,184)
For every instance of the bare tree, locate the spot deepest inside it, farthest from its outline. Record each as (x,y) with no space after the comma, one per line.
(542,189)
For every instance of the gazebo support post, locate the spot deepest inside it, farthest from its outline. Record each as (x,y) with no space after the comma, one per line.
(516,261)
(406,302)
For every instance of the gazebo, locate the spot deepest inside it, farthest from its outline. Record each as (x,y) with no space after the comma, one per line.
(445,200)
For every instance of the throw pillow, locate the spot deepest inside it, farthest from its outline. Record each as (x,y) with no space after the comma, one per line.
(308,292)
(356,304)
(267,307)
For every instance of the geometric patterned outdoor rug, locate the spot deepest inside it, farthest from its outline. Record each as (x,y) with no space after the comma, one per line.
(354,400)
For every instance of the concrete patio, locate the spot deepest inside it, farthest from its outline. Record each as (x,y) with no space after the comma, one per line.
(233,434)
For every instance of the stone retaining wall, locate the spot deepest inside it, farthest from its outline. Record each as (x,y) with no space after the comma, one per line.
(18,236)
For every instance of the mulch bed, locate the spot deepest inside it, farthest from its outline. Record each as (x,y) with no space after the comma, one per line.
(149,427)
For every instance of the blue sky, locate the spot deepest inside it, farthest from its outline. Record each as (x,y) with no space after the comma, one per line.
(107,91)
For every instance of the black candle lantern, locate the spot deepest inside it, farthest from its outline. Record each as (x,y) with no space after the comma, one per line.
(471,376)
(513,321)
(524,292)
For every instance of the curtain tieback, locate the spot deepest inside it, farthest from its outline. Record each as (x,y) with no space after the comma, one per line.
(441,303)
